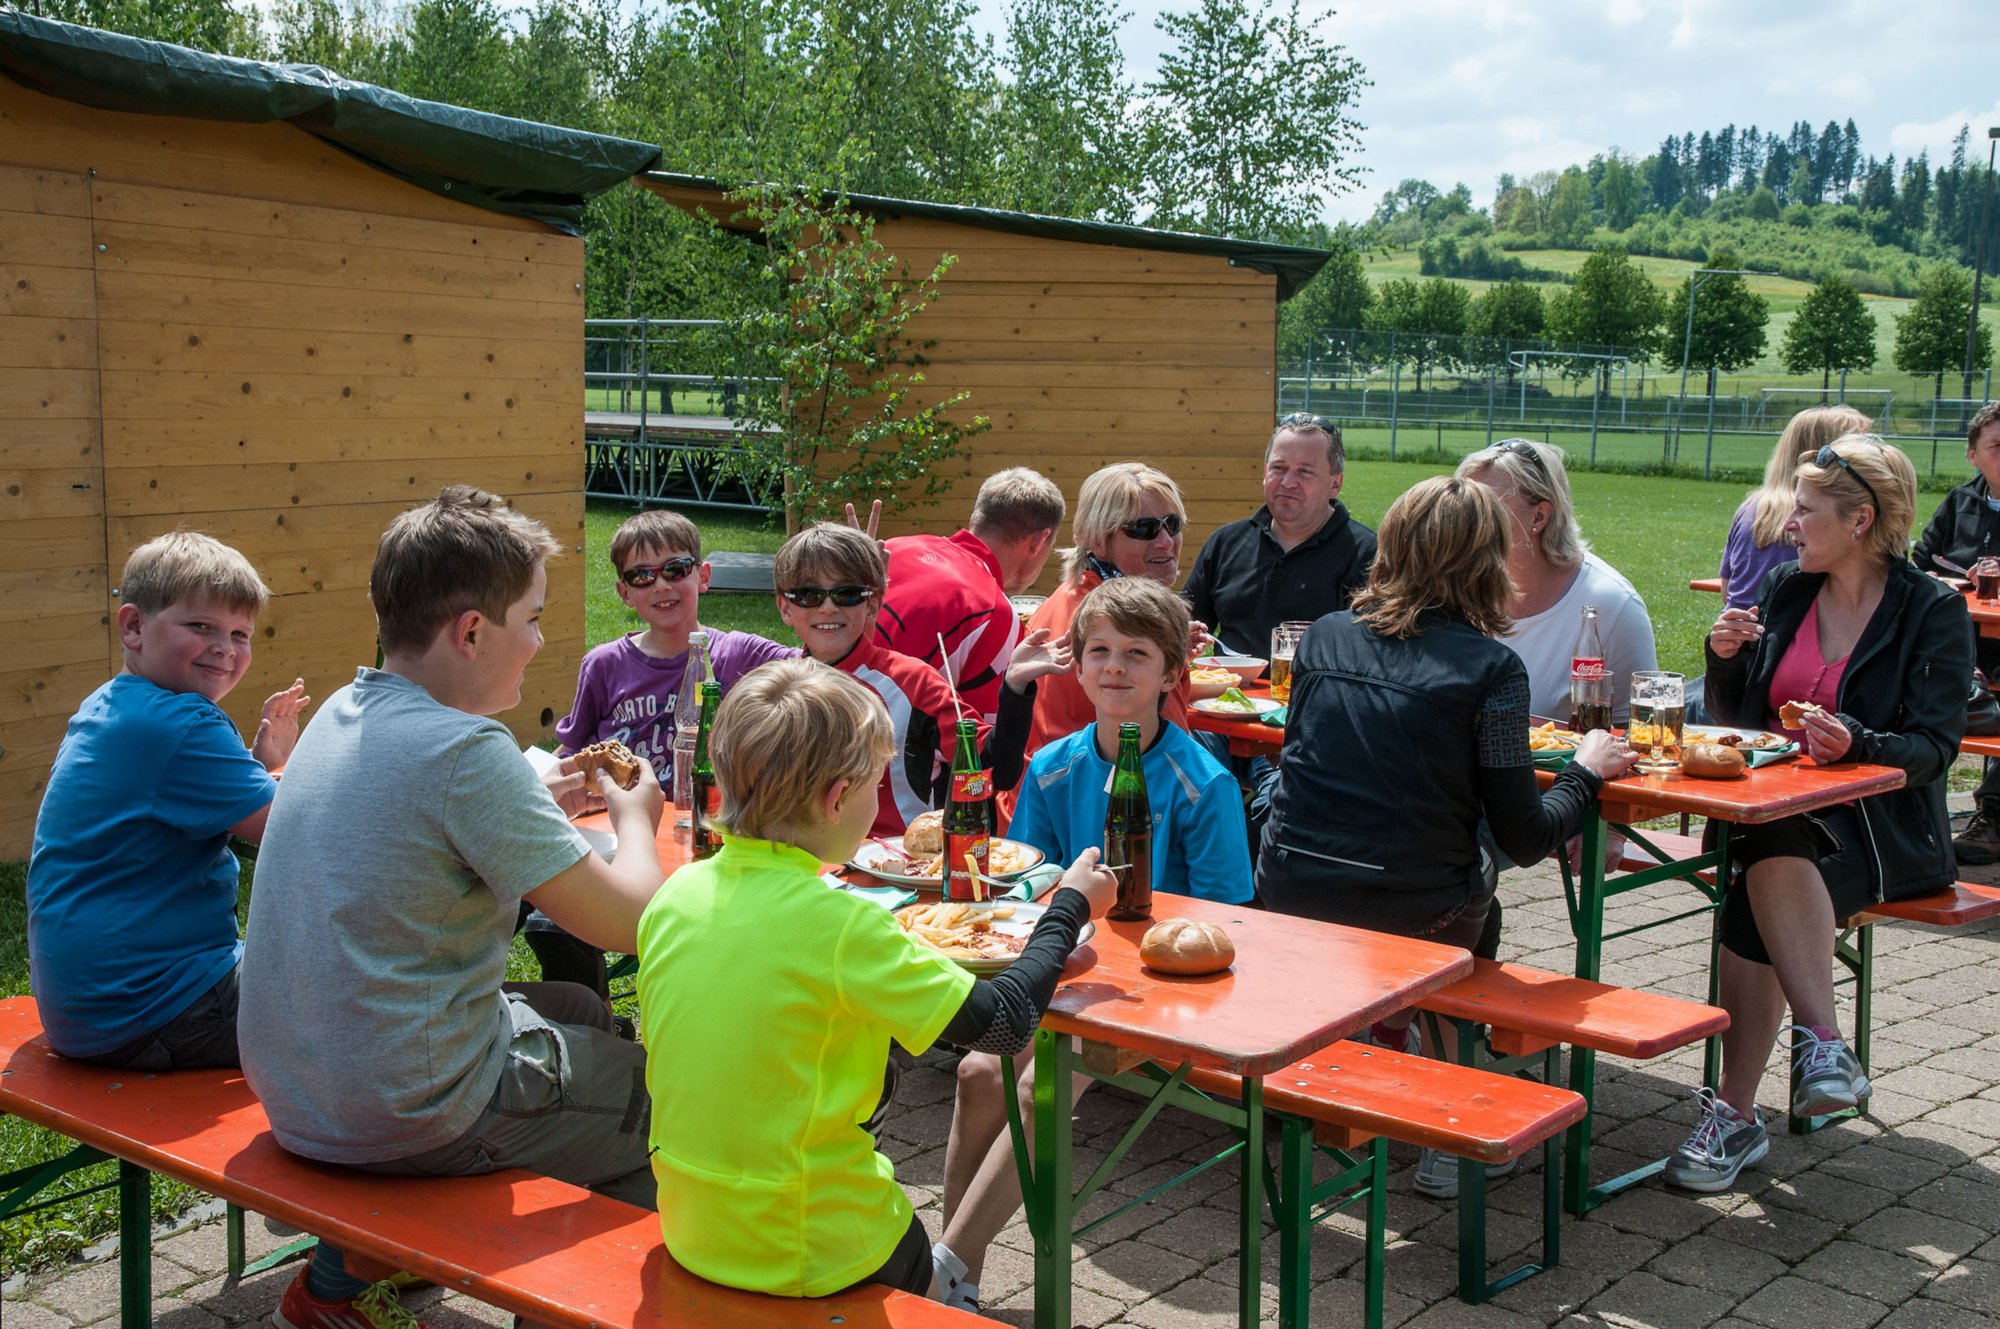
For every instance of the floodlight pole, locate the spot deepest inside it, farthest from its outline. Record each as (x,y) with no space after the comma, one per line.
(1979,263)
(1695,280)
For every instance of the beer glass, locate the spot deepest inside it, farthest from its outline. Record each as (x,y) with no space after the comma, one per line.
(1986,579)
(1659,710)
(1284,645)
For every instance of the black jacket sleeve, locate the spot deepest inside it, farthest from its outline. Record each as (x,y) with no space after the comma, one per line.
(1007,741)
(1528,823)
(1933,698)
(1000,1013)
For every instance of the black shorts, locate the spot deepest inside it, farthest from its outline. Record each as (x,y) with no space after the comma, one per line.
(1831,839)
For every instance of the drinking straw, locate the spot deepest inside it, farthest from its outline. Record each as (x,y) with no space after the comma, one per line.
(944,667)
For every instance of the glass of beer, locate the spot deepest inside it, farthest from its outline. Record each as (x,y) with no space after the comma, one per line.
(1986,579)
(1284,645)
(1659,710)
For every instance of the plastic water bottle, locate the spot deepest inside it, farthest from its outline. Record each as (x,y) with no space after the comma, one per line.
(687,725)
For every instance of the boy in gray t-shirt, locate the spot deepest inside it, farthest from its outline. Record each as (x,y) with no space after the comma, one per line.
(375,1023)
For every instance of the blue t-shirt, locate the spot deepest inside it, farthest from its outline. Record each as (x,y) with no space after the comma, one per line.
(131,884)
(1200,846)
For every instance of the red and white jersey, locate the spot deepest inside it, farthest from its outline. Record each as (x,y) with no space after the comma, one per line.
(951,588)
(924,717)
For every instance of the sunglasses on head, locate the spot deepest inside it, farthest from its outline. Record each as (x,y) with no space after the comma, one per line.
(640,576)
(812,597)
(1148,528)
(1826,456)
(1305,420)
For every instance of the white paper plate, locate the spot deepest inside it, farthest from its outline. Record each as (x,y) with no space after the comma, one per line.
(1228,711)
(1026,914)
(874,852)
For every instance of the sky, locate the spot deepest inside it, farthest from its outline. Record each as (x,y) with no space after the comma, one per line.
(1466,89)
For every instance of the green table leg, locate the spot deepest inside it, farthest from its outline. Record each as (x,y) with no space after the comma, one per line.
(1249,1290)
(1583,1061)
(135,1246)
(1052,1205)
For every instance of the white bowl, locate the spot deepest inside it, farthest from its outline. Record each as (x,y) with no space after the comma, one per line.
(1245,667)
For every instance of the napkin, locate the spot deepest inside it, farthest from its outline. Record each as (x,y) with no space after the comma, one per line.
(888,896)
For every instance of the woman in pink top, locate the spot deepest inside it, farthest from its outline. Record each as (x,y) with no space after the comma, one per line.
(1884,652)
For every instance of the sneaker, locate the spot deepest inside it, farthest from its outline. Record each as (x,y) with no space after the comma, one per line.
(1979,843)
(376,1308)
(1828,1074)
(1723,1144)
(1437,1173)
(948,1285)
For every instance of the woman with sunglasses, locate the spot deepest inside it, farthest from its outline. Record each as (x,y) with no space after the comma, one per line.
(1555,575)
(1883,651)
(1757,541)
(1128,523)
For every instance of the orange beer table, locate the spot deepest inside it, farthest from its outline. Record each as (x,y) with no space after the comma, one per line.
(1985,614)
(1297,985)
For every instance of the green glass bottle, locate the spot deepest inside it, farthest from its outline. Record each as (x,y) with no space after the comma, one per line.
(704,797)
(1128,831)
(967,831)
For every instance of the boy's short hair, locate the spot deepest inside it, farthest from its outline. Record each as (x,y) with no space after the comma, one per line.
(1016,503)
(1138,607)
(465,549)
(1984,416)
(658,529)
(185,565)
(830,552)
(784,735)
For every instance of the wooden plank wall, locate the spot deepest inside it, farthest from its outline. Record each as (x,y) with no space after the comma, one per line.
(288,348)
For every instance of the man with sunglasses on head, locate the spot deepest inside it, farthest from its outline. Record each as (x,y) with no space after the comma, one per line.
(956,588)
(1299,557)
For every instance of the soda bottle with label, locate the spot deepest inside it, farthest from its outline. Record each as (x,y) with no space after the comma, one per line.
(1589,684)
(1128,831)
(704,796)
(966,824)
(687,719)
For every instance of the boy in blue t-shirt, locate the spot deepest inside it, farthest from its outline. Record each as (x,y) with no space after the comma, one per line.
(132,941)
(1130,639)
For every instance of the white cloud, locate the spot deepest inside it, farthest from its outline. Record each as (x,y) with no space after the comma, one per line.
(1935,136)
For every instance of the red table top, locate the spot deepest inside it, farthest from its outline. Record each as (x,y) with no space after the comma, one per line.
(1297,985)
(1985,614)
(1761,795)
(1247,735)
(1713,585)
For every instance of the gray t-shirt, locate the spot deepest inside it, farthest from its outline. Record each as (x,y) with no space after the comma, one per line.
(402,838)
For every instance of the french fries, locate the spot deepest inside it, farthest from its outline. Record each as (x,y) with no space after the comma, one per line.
(1547,738)
(1001,856)
(960,932)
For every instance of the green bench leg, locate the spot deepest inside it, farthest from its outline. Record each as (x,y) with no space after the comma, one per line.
(135,1246)
(1295,1207)
(297,1248)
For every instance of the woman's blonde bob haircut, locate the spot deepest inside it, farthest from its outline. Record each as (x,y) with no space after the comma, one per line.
(1537,473)
(1805,433)
(1109,499)
(1442,547)
(787,733)
(1895,482)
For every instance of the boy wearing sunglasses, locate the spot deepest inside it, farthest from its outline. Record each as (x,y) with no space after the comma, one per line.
(628,687)
(830,580)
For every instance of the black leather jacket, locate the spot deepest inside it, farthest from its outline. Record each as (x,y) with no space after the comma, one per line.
(1963,529)
(1394,750)
(1902,697)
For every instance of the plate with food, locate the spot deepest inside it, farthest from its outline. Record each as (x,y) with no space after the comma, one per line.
(916,857)
(984,938)
(1232,704)
(1208,681)
(1758,747)
(1551,746)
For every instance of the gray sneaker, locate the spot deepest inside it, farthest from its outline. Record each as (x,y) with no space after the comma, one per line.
(1437,1173)
(1723,1144)
(1829,1075)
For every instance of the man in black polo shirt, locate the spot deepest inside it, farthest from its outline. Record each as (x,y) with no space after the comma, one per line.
(1299,556)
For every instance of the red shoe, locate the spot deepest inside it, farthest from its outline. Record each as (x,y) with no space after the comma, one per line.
(376,1308)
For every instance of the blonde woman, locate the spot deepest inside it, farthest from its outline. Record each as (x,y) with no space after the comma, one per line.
(1883,652)
(1757,542)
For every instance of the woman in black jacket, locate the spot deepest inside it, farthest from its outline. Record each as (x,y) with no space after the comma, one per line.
(1408,724)
(1883,654)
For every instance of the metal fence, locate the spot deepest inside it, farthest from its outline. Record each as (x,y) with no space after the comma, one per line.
(1411,393)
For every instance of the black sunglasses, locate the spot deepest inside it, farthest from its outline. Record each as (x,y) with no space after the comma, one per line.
(1305,420)
(1147,528)
(674,569)
(812,597)
(1826,456)
(1521,447)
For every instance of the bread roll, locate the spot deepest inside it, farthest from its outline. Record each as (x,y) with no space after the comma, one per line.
(1712,761)
(1183,946)
(924,836)
(1792,714)
(614,759)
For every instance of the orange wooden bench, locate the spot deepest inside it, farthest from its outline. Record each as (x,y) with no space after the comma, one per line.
(548,1251)
(1349,1098)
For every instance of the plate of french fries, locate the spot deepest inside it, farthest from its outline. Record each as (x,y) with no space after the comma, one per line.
(889,859)
(1551,745)
(984,938)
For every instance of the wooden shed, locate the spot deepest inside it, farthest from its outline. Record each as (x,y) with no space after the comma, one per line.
(1087,343)
(260,302)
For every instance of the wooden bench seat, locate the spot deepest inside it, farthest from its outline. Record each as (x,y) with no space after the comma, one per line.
(1975,745)
(551,1252)
(1528,1010)
(1350,1096)
(1960,903)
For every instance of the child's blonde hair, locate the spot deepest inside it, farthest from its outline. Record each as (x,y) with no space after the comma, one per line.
(1138,607)
(832,552)
(787,733)
(187,565)
(668,532)
(465,549)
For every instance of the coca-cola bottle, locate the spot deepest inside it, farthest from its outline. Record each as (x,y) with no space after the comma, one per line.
(1589,684)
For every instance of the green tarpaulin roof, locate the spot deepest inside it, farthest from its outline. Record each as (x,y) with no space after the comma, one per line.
(511,166)
(1293,265)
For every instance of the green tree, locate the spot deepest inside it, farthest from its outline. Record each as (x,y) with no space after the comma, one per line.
(1930,339)
(1065,145)
(1621,191)
(1567,219)
(1421,315)
(1610,303)
(455,51)
(1831,330)
(349,41)
(1247,127)
(1729,321)
(1510,312)
(206,25)
(1338,298)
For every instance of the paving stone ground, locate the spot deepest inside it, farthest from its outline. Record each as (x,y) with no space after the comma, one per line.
(1890,1221)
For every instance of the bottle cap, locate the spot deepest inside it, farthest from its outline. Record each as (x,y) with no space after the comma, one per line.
(699,637)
